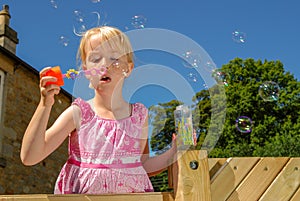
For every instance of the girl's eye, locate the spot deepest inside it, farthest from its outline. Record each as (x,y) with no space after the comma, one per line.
(113,59)
(95,60)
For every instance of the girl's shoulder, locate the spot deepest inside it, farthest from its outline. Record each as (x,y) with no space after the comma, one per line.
(85,108)
(139,112)
(139,107)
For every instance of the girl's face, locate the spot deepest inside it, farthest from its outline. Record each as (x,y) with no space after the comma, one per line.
(106,65)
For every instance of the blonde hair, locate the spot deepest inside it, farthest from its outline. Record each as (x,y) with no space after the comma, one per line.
(113,36)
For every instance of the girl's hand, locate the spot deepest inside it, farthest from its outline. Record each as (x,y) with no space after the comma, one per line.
(48,91)
(174,143)
(195,137)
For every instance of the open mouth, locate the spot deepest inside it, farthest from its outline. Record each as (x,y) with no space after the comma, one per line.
(105,79)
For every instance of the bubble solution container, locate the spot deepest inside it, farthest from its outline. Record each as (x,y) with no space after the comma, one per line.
(184,127)
(55,72)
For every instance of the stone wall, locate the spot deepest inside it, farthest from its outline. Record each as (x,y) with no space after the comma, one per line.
(20,99)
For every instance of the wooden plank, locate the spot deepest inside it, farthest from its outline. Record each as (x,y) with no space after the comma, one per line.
(214,161)
(230,176)
(296,196)
(258,180)
(286,184)
(192,184)
(29,197)
(214,164)
(156,196)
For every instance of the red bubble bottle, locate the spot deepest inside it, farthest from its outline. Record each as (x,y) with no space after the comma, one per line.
(55,72)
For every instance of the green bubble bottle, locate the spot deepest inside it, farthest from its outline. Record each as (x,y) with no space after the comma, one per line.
(184,127)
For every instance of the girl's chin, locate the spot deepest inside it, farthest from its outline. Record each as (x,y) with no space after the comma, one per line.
(98,84)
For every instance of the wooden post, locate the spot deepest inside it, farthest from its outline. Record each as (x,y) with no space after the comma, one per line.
(191,178)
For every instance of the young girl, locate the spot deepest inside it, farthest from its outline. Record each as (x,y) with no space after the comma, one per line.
(108,147)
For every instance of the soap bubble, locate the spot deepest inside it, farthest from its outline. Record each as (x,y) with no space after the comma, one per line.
(269,91)
(54,3)
(221,77)
(173,78)
(64,41)
(210,66)
(191,60)
(239,37)
(83,22)
(243,124)
(157,117)
(192,77)
(138,21)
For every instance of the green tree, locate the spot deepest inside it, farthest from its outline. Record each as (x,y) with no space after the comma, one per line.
(275,124)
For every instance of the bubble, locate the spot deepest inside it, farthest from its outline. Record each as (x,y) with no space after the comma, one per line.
(64,41)
(157,117)
(192,77)
(239,37)
(95,1)
(220,76)
(170,78)
(83,22)
(54,3)
(191,60)
(138,21)
(82,88)
(269,91)
(243,124)
(209,66)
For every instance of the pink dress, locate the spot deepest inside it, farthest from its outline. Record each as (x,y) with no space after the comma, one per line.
(105,155)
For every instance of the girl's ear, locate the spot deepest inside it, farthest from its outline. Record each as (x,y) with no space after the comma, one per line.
(84,67)
(130,67)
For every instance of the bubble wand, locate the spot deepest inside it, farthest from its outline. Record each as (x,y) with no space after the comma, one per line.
(72,74)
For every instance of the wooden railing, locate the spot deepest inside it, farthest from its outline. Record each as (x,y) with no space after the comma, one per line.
(196,178)
(255,178)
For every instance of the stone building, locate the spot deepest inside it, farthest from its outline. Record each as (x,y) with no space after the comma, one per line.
(19,97)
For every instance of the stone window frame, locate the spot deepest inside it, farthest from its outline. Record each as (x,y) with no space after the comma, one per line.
(2,77)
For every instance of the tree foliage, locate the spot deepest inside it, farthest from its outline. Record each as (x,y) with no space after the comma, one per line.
(273,121)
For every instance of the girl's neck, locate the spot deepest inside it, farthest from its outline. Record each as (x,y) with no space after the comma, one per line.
(108,102)
(111,107)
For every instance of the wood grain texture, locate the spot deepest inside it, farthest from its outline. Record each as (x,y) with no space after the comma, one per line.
(259,179)
(230,176)
(286,183)
(193,184)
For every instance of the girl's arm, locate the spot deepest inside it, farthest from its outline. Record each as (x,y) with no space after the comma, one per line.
(156,164)
(38,142)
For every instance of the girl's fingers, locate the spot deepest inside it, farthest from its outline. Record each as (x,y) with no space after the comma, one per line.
(44,70)
(46,79)
(56,91)
(195,137)
(174,136)
(50,91)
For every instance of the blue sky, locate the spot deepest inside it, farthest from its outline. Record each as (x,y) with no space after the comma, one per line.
(271,31)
